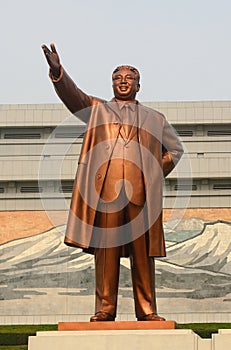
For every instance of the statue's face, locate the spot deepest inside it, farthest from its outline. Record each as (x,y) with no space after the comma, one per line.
(125,85)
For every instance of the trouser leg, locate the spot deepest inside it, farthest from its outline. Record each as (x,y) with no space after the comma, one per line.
(107,262)
(143,278)
(143,272)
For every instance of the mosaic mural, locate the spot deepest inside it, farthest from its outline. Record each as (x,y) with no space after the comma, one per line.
(41,268)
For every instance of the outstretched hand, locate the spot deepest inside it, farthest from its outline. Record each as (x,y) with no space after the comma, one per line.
(52,58)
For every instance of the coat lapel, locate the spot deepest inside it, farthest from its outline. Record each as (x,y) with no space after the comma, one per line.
(113,106)
(142,115)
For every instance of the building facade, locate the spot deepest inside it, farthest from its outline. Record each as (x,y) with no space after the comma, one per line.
(32,133)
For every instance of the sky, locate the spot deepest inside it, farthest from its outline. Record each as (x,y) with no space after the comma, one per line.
(182,48)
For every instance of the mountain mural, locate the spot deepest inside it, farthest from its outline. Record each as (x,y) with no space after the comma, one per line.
(200,264)
(197,266)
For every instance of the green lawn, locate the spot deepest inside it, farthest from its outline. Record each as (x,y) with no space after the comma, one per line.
(205,330)
(16,337)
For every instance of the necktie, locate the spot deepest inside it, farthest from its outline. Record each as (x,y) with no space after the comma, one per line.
(128,119)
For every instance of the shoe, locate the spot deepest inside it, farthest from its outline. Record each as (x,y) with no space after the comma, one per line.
(151,317)
(102,317)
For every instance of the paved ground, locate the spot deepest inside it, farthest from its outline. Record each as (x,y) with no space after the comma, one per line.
(63,301)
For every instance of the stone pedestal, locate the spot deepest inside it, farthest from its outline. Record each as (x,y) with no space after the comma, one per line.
(115,340)
(222,340)
(129,335)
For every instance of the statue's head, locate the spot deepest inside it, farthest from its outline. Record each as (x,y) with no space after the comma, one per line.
(125,81)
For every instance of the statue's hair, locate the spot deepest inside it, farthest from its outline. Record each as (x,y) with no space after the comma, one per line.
(132,69)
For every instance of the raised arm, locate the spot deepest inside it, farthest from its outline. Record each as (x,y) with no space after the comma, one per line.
(73,98)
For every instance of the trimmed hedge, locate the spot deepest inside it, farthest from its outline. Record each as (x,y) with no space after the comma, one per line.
(205,330)
(18,335)
(13,347)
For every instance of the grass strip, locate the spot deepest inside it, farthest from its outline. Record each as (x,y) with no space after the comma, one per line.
(204,330)
(18,335)
(13,347)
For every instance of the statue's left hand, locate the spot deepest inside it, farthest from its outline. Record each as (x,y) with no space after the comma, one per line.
(52,58)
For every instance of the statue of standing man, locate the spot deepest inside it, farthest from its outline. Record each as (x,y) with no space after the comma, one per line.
(116,207)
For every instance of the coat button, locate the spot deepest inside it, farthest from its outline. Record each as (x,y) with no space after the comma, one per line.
(98,176)
(107,146)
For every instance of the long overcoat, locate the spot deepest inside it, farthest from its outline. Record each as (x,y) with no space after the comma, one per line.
(160,151)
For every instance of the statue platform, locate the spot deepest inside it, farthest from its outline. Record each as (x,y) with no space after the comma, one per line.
(117,325)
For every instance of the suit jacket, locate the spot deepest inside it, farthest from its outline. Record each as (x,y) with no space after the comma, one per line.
(160,150)
(125,166)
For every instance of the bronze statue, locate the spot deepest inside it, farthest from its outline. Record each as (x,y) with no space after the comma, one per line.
(116,207)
